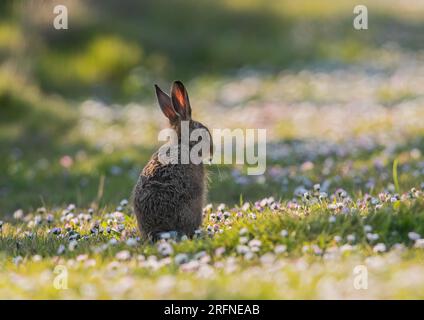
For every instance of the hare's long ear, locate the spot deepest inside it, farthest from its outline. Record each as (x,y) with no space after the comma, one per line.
(166,105)
(180,100)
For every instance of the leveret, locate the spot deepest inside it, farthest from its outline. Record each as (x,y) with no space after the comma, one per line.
(169,196)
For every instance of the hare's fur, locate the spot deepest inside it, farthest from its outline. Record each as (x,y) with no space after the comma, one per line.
(170,197)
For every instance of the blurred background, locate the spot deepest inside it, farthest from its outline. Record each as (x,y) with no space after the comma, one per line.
(78,116)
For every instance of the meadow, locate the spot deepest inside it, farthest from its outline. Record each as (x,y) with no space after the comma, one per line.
(344,184)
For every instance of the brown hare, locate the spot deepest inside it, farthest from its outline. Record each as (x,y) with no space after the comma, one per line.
(170,196)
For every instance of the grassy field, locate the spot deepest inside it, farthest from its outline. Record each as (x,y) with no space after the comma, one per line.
(344,184)
(307,248)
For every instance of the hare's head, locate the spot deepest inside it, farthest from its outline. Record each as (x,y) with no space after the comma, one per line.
(178,111)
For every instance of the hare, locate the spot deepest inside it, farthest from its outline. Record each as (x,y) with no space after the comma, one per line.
(171,196)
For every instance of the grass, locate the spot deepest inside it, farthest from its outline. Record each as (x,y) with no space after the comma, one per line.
(342,109)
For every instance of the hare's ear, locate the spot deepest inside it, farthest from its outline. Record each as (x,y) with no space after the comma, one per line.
(180,100)
(166,105)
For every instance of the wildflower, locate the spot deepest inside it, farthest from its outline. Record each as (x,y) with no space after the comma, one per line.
(56,231)
(341,193)
(243,240)
(305,249)
(200,255)
(372,236)
(243,231)
(219,251)
(181,258)
(72,245)
(36,258)
(41,210)
(346,210)
(66,161)
(332,206)
(367,228)
(190,266)
(113,242)
(165,235)
(380,247)
(49,218)
(90,263)
(267,258)
(346,248)
(398,246)
(413,236)
(119,216)
(419,243)
(323,195)
(74,236)
(18,214)
(82,257)
(249,255)
(300,191)
(165,249)
(284,233)
(131,242)
(123,255)
(17,260)
(337,238)
(351,238)
(221,207)
(332,219)
(242,249)
(317,250)
(255,243)
(61,249)
(374,201)
(219,216)
(208,208)
(280,249)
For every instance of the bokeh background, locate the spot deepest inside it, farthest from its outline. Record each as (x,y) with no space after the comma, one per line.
(78,116)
